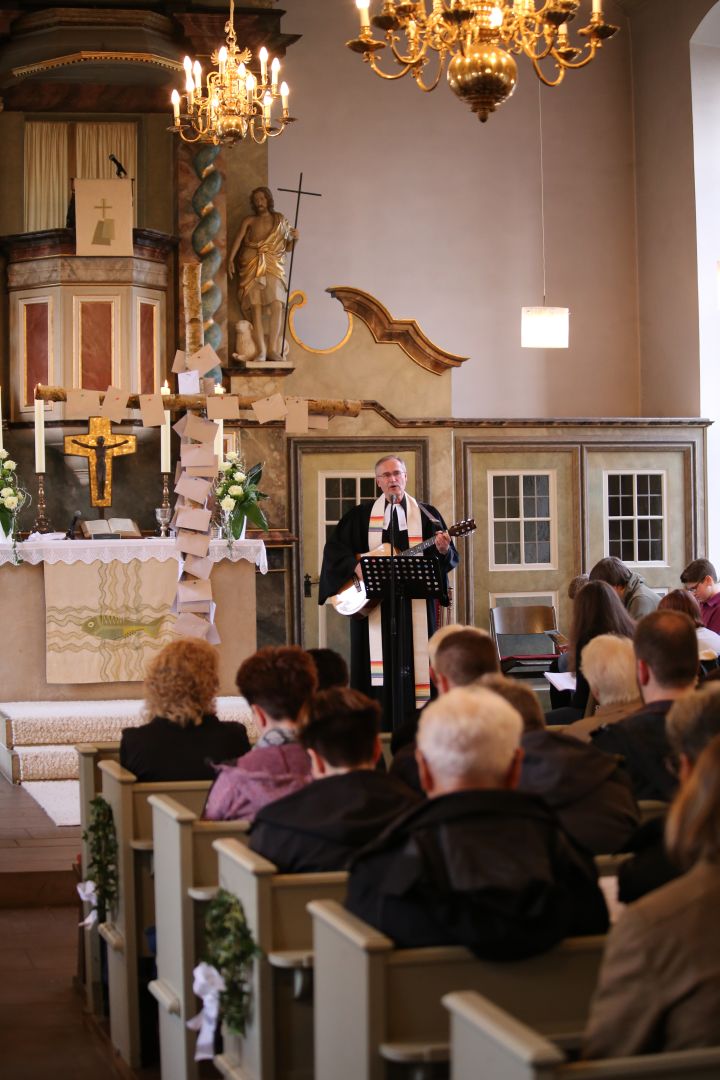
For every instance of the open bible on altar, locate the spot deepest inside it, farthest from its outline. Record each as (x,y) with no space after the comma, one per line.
(100,527)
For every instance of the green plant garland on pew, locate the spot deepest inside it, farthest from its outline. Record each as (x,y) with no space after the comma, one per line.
(230,947)
(101,838)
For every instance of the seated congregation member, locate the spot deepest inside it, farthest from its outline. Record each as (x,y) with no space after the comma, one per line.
(183,736)
(683,600)
(277,683)
(659,985)
(691,723)
(589,791)
(609,668)
(596,610)
(479,863)
(667,666)
(460,656)
(348,804)
(331,668)
(700,578)
(637,597)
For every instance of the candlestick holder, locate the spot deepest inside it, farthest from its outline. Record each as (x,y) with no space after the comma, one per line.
(41,523)
(164,512)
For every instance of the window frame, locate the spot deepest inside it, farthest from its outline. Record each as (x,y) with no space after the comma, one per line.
(635,562)
(522,566)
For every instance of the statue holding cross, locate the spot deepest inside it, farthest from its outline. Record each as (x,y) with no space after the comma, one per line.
(100,446)
(260,246)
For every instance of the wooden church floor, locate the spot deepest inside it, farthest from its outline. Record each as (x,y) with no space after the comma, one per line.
(44,1030)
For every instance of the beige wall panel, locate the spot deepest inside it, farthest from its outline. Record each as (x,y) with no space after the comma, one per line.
(678,512)
(480,579)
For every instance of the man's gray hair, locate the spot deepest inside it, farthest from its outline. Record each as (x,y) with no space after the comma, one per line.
(470,735)
(390,457)
(608,664)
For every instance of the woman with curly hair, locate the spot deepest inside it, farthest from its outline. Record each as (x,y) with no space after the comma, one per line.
(659,985)
(183,736)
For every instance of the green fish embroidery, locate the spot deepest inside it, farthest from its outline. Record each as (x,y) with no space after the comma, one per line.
(116,628)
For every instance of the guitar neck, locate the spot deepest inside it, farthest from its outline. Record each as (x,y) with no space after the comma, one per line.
(423,546)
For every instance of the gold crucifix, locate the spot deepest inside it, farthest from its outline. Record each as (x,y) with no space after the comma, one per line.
(100,446)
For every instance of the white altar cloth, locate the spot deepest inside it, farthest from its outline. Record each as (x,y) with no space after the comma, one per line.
(124,551)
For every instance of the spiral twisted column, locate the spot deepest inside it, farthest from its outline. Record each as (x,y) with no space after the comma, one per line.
(203,242)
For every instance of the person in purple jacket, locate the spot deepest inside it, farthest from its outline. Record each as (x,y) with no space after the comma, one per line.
(277,683)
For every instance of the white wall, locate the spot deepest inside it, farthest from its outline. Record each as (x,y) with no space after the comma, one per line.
(706,126)
(439,217)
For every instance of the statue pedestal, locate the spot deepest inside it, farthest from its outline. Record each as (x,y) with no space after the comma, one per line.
(84,321)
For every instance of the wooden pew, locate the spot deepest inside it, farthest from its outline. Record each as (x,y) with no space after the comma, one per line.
(124,932)
(186,877)
(376,1004)
(490,1042)
(89,757)
(278,1041)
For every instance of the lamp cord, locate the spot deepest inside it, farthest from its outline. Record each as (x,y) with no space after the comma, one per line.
(542,193)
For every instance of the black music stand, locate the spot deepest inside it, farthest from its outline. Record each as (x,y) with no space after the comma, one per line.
(396,580)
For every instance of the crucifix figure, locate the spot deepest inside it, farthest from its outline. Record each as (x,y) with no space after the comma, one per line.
(100,446)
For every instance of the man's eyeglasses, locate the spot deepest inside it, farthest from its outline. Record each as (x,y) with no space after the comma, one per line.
(693,588)
(389,475)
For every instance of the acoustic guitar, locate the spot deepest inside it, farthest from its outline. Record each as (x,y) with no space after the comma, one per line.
(352,599)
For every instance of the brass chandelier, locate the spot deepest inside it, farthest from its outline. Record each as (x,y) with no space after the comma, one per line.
(234,103)
(479,40)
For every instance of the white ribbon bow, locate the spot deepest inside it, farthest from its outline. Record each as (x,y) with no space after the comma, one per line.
(207,984)
(88,894)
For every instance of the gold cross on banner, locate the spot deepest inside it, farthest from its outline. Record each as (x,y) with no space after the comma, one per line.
(100,446)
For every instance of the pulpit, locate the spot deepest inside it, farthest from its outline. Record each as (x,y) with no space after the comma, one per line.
(85,321)
(98,643)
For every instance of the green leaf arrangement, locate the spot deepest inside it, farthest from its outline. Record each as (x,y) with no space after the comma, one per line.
(239,496)
(101,838)
(230,947)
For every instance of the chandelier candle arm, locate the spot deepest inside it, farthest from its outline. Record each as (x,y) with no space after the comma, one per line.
(476,40)
(235,102)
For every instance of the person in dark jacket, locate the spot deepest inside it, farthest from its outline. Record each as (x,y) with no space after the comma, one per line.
(691,723)
(667,667)
(589,791)
(184,736)
(348,804)
(479,864)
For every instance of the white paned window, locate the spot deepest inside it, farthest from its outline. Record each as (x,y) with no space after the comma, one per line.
(339,492)
(635,527)
(521,519)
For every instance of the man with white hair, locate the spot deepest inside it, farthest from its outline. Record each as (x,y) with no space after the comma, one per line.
(610,669)
(479,863)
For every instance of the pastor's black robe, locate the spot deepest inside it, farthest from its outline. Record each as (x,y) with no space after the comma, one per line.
(340,557)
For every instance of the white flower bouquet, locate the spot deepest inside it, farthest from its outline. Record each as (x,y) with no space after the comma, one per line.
(13,497)
(239,497)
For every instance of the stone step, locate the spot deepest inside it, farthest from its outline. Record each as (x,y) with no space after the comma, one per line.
(38,738)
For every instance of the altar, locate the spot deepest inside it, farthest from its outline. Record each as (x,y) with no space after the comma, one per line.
(32,638)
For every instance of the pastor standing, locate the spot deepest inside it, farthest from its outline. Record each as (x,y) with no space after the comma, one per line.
(362,529)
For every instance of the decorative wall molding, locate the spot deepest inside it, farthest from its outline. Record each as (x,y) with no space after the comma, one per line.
(403,332)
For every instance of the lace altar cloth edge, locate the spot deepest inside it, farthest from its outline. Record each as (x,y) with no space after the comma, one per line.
(124,551)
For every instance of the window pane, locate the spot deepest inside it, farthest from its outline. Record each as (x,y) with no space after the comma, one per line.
(332,487)
(543,553)
(643,505)
(656,529)
(614,506)
(656,506)
(513,554)
(614,530)
(643,484)
(498,485)
(513,507)
(656,550)
(613,485)
(347,487)
(655,485)
(499,507)
(643,530)
(627,552)
(530,533)
(529,485)
(543,485)
(626,484)
(513,485)
(543,530)
(643,550)
(367,488)
(332,509)
(513,531)
(531,553)
(500,532)
(500,555)
(529,507)
(626,506)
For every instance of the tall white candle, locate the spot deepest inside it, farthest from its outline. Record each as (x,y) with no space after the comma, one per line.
(597,7)
(39,435)
(1,434)
(165,444)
